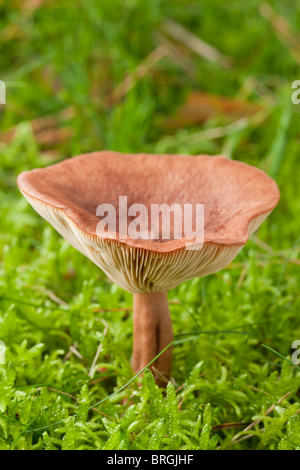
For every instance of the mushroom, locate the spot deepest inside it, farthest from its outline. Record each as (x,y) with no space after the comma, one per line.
(236,198)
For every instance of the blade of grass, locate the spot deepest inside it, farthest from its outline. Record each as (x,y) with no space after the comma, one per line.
(280,355)
(112,394)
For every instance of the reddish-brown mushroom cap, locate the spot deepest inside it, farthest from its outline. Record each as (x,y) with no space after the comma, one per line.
(236,197)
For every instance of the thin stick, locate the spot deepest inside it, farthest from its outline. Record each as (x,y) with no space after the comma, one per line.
(76,399)
(257,421)
(99,349)
(284,31)
(142,69)
(195,44)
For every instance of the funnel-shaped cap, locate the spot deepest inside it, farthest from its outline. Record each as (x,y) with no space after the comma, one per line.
(236,198)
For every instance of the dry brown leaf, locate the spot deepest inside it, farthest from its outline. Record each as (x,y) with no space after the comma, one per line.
(47,130)
(198,107)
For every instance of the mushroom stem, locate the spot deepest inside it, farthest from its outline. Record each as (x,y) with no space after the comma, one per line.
(152,332)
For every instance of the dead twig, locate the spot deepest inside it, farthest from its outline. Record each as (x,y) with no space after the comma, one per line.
(195,44)
(253,388)
(264,246)
(121,309)
(50,294)
(283,29)
(99,349)
(141,70)
(220,427)
(257,421)
(242,276)
(177,53)
(72,350)
(76,399)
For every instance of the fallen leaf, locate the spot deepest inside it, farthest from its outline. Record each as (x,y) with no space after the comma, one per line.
(198,107)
